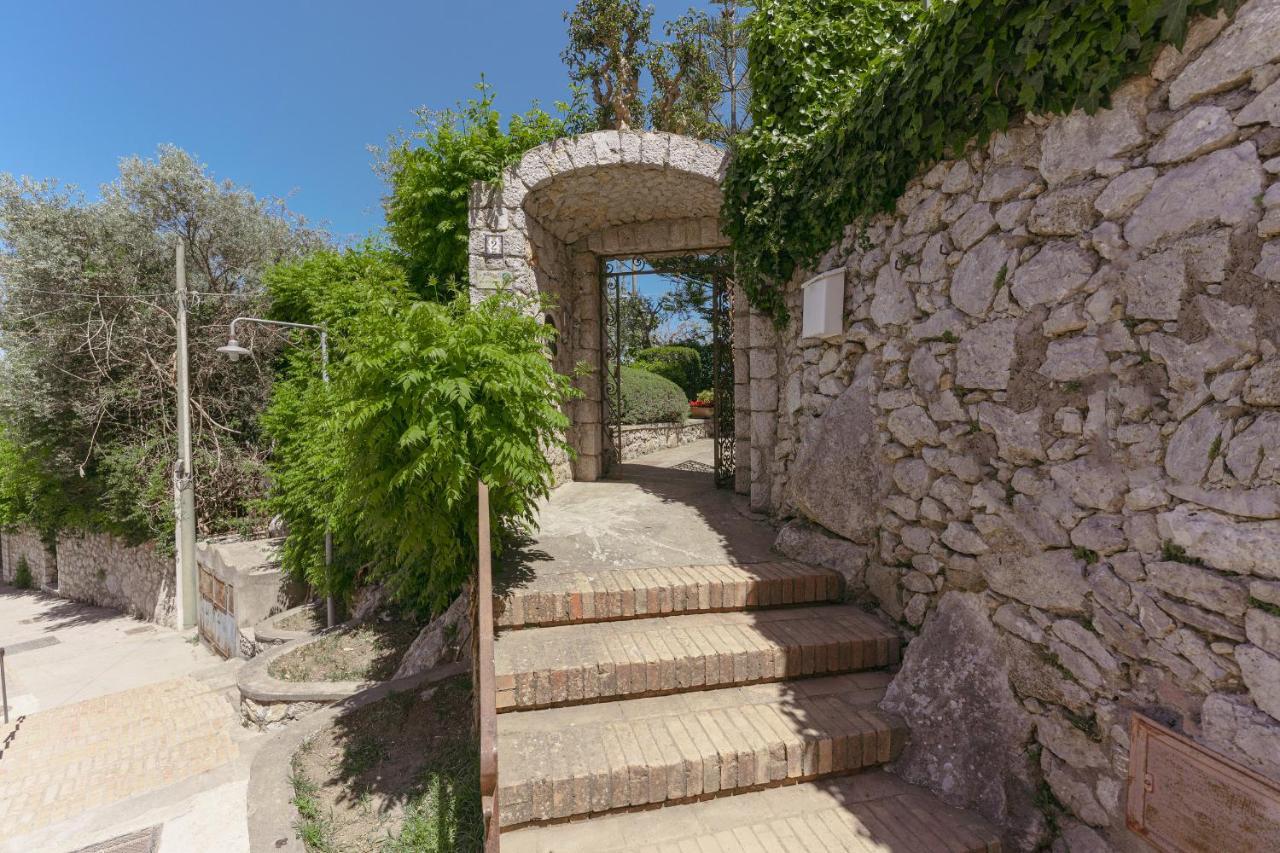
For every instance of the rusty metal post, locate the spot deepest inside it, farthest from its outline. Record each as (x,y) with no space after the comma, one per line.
(487,686)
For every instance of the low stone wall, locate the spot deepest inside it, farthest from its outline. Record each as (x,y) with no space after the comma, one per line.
(268,703)
(17,544)
(1048,438)
(98,568)
(642,439)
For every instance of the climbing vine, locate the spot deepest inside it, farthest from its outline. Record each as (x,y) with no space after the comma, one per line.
(839,133)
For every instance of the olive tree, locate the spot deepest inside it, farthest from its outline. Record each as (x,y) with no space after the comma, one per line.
(87,380)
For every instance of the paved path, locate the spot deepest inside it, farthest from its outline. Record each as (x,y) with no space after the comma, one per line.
(666,684)
(116,725)
(62,651)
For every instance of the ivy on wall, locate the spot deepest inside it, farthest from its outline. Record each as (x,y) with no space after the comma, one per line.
(834,145)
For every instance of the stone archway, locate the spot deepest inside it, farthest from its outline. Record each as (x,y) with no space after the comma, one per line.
(568,206)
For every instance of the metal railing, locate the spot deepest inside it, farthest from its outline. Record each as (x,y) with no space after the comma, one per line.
(485,681)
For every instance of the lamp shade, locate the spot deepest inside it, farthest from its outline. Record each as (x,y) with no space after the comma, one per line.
(233,350)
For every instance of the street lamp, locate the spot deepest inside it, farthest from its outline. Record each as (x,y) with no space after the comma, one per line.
(233,350)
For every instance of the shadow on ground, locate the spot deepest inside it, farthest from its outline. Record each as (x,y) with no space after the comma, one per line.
(59,613)
(400,774)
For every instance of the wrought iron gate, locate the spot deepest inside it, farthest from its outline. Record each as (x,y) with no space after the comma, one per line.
(721,317)
(722,381)
(611,310)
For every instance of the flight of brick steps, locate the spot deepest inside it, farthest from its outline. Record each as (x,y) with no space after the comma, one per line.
(65,760)
(704,690)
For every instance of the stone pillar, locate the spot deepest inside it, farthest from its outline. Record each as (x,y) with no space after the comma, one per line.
(585,339)
(762,340)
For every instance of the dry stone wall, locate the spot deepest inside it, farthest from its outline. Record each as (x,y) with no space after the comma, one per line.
(1049,438)
(20,544)
(100,569)
(642,439)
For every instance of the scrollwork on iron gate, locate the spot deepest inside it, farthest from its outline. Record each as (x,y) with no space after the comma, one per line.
(711,272)
(722,380)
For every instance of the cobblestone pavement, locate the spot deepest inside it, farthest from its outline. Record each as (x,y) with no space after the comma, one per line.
(67,760)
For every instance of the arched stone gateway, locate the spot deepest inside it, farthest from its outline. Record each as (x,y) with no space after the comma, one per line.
(569,205)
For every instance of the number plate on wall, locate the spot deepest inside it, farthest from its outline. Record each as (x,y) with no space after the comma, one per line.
(1184,798)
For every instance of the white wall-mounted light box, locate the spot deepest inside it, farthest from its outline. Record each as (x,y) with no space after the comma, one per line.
(823,314)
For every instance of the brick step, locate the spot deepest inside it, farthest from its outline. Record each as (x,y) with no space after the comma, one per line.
(575,664)
(171,758)
(613,594)
(870,812)
(572,762)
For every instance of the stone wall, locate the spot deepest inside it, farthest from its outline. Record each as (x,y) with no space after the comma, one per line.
(16,544)
(641,439)
(1049,437)
(100,569)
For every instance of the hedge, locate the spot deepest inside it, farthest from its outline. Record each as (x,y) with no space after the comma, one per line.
(681,364)
(648,398)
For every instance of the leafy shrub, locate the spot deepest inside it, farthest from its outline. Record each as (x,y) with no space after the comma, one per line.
(682,365)
(425,398)
(431,172)
(706,398)
(648,398)
(22,577)
(836,141)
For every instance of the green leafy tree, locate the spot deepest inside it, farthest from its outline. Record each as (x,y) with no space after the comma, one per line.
(87,383)
(431,170)
(686,91)
(699,75)
(610,47)
(693,82)
(425,398)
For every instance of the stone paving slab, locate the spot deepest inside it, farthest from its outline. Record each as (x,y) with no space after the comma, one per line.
(547,667)
(66,760)
(587,759)
(869,812)
(614,594)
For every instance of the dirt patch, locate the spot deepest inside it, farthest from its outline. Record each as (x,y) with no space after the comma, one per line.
(309,619)
(399,775)
(370,651)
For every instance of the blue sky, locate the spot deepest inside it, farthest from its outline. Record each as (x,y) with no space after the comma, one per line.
(282,96)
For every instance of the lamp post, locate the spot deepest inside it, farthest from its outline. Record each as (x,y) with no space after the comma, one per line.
(184,490)
(233,350)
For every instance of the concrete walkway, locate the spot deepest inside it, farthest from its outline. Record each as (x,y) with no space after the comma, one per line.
(117,726)
(651,514)
(59,651)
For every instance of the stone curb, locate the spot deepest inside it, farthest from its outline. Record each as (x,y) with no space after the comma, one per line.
(267,632)
(271,815)
(256,683)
